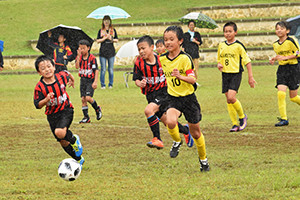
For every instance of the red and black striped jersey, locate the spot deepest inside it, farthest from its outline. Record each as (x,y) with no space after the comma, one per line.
(60,100)
(152,73)
(87,67)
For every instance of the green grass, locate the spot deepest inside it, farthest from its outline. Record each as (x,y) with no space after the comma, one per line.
(22,20)
(261,162)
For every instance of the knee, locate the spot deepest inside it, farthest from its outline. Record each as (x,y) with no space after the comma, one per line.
(60,132)
(148,113)
(171,124)
(231,100)
(281,95)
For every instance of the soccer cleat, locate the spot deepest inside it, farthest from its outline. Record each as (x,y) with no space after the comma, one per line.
(188,138)
(204,166)
(235,128)
(155,143)
(282,122)
(175,149)
(81,161)
(77,146)
(99,113)
(85,120)
(243,123)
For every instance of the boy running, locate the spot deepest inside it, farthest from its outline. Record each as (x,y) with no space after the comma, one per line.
(287,51)
(51,92)
(179,71)
(148,75)
(88,71)
(232,57)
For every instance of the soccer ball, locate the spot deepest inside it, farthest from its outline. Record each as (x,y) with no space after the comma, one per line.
(69,169)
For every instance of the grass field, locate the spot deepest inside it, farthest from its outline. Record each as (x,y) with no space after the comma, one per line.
(261,162)
(23,20)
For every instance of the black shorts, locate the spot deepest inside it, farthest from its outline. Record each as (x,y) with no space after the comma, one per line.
(187,105)
(288,75)
(231,81)
(86,88)
(159,97)
(60,119)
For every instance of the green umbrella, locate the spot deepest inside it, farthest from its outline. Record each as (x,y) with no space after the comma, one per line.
(201,20)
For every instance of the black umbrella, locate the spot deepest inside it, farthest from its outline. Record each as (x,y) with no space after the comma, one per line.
(73,35)
(295,23)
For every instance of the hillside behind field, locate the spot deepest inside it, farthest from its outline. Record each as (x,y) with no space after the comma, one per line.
(23,20)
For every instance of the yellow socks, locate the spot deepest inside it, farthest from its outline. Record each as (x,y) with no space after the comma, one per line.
(200,143)
(296,99)
(239,109)
(232,114)
(282,104)
(174,133)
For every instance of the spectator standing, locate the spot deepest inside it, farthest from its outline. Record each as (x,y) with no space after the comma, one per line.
(107,35)
(191,42)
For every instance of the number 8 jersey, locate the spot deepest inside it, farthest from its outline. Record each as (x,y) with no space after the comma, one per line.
(233,56)
(185,66)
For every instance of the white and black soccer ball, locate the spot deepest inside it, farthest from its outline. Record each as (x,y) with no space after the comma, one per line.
(69,169)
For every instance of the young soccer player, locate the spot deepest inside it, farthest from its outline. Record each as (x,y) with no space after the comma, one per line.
(51,92)
(179,71)
(287,52)
(88,71)
(160,46)
(232,57)
(61,53)
(148,75)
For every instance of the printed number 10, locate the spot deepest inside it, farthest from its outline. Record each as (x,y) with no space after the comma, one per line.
(176,82)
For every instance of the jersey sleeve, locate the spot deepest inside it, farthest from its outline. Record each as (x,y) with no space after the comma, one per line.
(245,57)
(137,73)
(38,96)
(295,48)
(94,64)
(69,53)
(189,70)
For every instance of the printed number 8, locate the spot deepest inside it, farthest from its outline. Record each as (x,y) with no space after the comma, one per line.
(226,62)
(176,82)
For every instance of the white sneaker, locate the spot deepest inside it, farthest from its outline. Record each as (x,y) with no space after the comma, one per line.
(110,87)
(103,87)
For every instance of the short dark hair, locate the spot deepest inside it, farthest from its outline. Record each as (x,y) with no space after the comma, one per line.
(84,42)
(160,41)
(284,24)
(61,33)
(41,59)
(191,22)
(232,24)
(146,38)
(178,31)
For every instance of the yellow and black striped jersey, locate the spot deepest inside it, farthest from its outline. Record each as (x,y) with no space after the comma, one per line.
(287,48)
(184,64)
(233,56)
